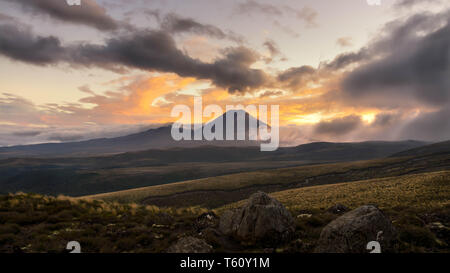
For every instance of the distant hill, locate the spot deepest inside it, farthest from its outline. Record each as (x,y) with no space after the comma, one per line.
(436,148)
(88,175)
(350,151)
(159,138)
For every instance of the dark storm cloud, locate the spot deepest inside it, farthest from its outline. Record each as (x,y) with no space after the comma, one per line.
(18,43)
(146,50)
(338,126)
(432,126)
(88,13)
(412,64)
(420,70)
(156,50)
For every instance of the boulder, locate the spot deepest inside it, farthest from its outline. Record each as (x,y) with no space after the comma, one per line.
(190,245)
(262,220)
(351,232)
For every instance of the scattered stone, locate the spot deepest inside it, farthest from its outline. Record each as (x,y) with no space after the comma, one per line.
(338,209)
(352,231)
(439,229)
(262,220)
(206,220)
(268,250)
(159,226)
(190,245)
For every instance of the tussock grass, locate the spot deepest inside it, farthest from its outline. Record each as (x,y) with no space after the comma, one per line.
(419,191)
(242,180)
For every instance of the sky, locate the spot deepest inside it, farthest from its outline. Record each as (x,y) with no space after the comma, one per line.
(339,70)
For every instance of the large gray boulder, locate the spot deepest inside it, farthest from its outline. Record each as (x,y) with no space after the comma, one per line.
(351,232)
(190,245)
(262,220)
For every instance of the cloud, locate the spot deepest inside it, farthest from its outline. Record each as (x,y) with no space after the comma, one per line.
(342,61)
(338,126)
(15,135)
(27,133)
(18,43)
(431,126)
(251,6)
(308,15)
(173,23)
(344,41)
(383,120)
(297,77)
(408,4)
(88,13)
(286,29)
(4,17)
(273,49)
(151,50)
(271,93)
(415,64)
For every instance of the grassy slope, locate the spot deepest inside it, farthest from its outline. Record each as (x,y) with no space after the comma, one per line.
(275,180)
(418,191)
(34,223)
(235,181)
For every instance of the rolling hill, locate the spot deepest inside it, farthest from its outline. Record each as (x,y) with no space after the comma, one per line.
(220,190)
(435,148)
(77,176)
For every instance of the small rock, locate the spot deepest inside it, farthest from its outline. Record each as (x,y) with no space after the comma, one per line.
(351,232)
(439,229)
(190,245)
(206,220)
(338,209)
(262,220)
(304,215)
(159,226)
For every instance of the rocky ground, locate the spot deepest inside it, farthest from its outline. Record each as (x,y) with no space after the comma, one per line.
(34,223)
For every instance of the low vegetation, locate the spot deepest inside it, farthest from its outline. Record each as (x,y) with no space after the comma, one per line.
(419,191)
(418,205)
(220,190)
(36,223)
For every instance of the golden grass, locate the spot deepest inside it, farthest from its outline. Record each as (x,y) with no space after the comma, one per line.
(420,191)
(240,180)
